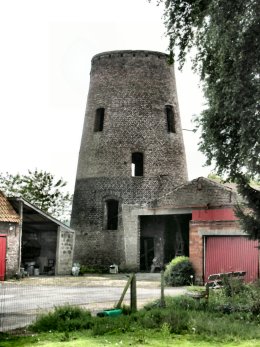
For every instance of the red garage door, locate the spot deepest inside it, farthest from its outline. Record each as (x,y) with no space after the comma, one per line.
(232,253)
(2,257)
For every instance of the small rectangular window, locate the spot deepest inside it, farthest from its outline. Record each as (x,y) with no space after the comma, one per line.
(137,164)
(170,119)
(112,214)
(99,119)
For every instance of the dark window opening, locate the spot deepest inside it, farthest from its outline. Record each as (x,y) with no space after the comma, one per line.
(137,164)
(99,119)
(170,119)
(112,214)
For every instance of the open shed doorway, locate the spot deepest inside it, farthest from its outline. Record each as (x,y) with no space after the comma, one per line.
(39,251)
(39,240)
(162,238)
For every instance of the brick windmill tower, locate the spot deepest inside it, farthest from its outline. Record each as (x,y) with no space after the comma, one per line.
(131,153)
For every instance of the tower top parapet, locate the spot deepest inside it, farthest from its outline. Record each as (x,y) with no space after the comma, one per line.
(128,54)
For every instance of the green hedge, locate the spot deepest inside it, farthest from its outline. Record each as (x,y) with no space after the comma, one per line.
(179,272)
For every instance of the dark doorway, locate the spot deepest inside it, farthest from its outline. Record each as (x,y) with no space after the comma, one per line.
(176,236)
(146,253)
(162,238)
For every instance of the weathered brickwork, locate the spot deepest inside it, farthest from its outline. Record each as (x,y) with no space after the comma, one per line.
(11,230)
(200,192)
(65,247)
(133,87)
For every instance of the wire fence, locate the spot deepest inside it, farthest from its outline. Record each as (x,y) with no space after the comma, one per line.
(22,301)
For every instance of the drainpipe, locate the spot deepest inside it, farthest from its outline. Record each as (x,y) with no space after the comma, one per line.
(20,234)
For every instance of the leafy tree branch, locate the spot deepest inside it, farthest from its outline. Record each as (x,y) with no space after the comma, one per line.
(226,36)
(41,189)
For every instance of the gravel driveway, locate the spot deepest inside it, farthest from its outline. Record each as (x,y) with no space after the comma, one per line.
(21,301)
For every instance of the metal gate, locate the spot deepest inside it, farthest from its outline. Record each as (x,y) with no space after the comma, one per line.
(231,254)
(2,256)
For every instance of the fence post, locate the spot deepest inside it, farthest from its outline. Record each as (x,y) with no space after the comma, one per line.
(162,301)
(124,291)
(133,297)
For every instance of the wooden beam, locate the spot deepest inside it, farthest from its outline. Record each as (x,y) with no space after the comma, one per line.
(124,291)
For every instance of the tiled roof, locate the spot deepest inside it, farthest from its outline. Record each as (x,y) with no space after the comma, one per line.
(7,213)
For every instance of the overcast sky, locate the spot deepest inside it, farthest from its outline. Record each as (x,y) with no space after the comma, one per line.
(46,49)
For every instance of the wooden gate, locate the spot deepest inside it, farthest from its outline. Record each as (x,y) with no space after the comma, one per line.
(231,254)
(2,256)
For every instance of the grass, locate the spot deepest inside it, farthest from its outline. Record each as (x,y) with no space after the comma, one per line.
(136,338)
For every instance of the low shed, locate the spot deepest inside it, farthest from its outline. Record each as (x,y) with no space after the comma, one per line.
(37,242)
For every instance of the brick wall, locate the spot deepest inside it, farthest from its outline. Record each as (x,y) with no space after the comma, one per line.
(11,230)
(64,255)
(200,192)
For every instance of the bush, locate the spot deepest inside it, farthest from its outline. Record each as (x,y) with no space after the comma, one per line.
(245,301)
(178,272)
(85,269)
(64,318)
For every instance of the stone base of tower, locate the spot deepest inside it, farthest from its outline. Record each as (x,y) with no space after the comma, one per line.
(95,243)
(97,249)
(177,223)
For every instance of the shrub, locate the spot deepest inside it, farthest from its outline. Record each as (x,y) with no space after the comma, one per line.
(63,318)
(236,298)
(85,269)
(178,272)
(233,285)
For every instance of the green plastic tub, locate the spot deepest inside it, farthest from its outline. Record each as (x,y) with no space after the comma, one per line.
(110,313)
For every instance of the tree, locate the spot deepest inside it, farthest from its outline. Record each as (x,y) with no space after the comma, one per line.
(226,36)
(41,189)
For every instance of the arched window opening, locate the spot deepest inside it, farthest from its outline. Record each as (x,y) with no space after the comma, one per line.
(99,119)
(111,214)
(137,164)
(170,118)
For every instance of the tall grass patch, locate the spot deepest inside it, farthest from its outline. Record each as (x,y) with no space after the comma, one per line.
(63,318)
